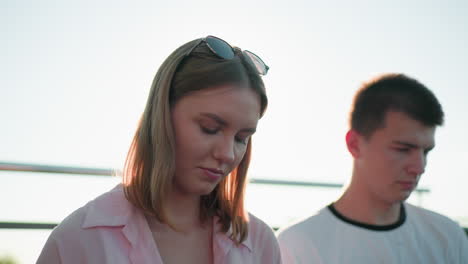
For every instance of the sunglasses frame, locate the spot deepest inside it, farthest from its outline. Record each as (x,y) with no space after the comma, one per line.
(255,60)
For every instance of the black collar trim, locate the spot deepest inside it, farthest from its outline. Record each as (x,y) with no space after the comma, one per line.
(398,223)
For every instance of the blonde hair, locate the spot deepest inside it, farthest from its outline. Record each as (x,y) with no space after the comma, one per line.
(150,163)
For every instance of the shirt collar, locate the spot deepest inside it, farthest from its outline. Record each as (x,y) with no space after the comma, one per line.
(113,209)
(109,209)
(224,240)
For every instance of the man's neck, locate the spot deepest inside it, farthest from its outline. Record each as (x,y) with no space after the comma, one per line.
(357,207)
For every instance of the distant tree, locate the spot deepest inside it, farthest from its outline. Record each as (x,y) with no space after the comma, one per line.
(7,260)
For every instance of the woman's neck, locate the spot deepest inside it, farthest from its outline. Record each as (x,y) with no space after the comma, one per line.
(183,211)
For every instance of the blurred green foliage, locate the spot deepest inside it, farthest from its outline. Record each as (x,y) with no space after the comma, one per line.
(6,259)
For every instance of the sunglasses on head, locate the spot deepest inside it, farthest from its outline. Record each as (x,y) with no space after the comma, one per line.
(225,51)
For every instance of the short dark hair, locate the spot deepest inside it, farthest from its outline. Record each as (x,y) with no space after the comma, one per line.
(393,92)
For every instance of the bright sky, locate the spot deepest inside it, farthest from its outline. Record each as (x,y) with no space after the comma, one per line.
(74,76)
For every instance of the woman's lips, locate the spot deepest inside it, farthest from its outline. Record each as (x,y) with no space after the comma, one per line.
(213,174)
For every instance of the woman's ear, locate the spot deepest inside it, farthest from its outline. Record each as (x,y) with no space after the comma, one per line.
(353,140)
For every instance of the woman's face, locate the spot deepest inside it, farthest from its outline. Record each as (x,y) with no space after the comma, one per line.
(212,128)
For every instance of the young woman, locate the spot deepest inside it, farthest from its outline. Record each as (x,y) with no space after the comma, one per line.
(182,197)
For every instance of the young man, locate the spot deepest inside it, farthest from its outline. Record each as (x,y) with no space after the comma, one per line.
(393,123)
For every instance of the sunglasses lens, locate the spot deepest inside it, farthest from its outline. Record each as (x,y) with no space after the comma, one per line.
(223,50)
(220,47)
(257,62)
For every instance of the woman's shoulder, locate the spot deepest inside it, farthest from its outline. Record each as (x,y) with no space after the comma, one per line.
(257,224)
(263,241)
(101,211)
(259,231)
(90,231)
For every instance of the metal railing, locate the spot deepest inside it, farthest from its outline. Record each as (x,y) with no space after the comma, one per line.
(27,167)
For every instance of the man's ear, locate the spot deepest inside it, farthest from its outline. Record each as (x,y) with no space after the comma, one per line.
(353,142)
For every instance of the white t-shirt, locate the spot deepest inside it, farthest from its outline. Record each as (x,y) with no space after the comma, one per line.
(419,236)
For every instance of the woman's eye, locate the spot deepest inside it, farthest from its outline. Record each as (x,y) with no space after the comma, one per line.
(242,140)
(210,131)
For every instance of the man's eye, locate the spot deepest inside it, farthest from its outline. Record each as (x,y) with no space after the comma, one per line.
(403,150)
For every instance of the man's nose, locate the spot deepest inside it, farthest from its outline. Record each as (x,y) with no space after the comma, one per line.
(417,164)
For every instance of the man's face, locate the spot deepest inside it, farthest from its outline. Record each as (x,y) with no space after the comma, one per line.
(389,163)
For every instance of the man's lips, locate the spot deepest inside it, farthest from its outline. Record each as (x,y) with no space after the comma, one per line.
(407,184)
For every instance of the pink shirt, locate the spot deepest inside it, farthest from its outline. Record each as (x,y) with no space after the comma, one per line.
(110,229)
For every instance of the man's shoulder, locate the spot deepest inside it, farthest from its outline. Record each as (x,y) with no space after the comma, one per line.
(440,231)
(423,213)
(432,219)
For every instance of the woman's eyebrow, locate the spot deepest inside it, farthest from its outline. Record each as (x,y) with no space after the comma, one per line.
(215,118)
(222,122)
